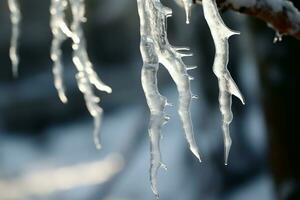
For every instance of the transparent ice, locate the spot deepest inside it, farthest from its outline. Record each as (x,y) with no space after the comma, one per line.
(86,75)
(227,87)
(188,9)
(155,50)
(15,17)
(60,32)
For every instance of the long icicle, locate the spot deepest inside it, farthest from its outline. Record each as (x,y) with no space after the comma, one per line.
(15,17)
(86,76)
(227,87)
(155,49)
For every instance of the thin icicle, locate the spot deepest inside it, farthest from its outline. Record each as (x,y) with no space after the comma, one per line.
(227,87)
(187,5)
(60,32)
(155,49)
(188,9)
(15,17)
(86,76)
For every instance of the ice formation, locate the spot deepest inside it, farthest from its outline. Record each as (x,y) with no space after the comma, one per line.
(15,17)
(60,32)
(188,9)
(86,76)
(227,87)
(187,5)
(155,50)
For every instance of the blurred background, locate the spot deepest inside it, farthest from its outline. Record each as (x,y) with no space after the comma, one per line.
(46,148)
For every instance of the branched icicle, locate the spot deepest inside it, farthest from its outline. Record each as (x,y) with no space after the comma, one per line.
(15,17)
(227,87)
(86,76)
(60,32)
(155,49)
(187,5)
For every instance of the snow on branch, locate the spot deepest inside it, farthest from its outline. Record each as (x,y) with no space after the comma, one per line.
(281,15)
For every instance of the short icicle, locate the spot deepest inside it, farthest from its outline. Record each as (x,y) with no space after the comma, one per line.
(60,32)
(155,49)
(227,87)
(86,76)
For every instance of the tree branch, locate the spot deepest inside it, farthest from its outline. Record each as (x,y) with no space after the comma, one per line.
(281,15)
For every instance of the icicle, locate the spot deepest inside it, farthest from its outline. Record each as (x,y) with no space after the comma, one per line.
(227,87)
(15,16)
(278,37)
(86,75)
(60,32)
(155,49)
(188,9)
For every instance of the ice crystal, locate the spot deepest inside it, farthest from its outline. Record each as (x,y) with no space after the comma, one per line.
(227,87)
(155,49)
(86,75)
(15,17)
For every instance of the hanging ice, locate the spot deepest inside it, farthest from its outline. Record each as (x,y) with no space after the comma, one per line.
(156,49)
(86,76)
(227,87)
(187,5)
(15,17)
(60,32)
(188,9)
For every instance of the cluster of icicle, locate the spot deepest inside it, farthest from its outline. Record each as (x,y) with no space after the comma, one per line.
(15,17)
(86,76)
(155,49)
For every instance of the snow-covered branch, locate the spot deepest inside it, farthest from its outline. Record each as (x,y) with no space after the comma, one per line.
(281,15)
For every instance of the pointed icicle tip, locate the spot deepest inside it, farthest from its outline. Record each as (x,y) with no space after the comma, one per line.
(154,190)
(169,104)
(191,68)
(196,153)
(188,9)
